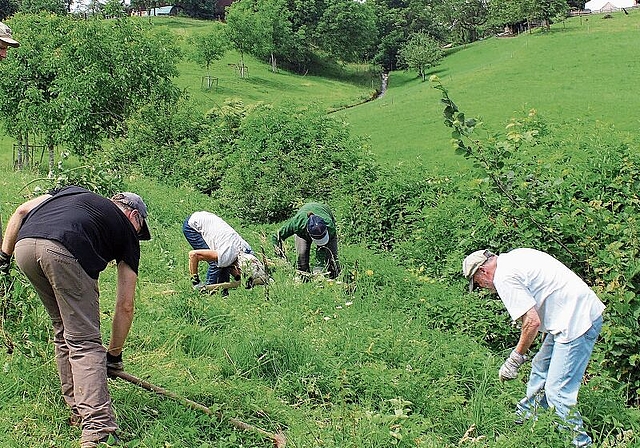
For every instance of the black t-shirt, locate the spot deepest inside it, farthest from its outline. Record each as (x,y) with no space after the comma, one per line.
(90,226)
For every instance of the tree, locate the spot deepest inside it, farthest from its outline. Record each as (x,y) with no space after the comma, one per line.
(243,30)
(199,9)
(545,10)
(506,13)
(347,30)
(463,18)
(114,8)
(27,93)
(420,53)
(279,39)
(73,83)
(35,6)
(209,47)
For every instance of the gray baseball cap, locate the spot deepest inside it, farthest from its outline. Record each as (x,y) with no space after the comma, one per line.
(134,201)
(472,263)
(6,36)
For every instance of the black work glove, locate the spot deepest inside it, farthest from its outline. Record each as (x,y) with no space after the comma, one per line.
(5,263)
(114,363)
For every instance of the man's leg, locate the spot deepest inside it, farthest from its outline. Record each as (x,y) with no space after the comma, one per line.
(303,248)
(76,296)
(535,398)
(197,242)
(27,261)
(329,255)
(567,367)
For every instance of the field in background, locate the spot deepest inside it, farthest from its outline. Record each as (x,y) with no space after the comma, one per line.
(584,70)
(334,88)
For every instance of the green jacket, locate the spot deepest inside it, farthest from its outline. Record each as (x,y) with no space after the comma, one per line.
(298,223)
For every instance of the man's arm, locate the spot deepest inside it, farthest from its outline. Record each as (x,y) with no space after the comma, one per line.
(198,255)
(529,331)
(15,222)
(123,315)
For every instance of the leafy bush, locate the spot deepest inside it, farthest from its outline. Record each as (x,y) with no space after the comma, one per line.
(580,206)
(424,222)
(284,157)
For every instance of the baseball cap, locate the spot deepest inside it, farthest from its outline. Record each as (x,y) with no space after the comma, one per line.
(317,229)
(135,202)
(6,37)
(472,263)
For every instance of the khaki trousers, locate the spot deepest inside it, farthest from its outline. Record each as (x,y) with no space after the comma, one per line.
(70,297)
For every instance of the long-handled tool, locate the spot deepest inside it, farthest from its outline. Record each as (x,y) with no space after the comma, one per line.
(278,438)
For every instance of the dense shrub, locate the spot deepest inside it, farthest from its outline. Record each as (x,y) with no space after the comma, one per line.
(284,157)
(260,162)
(424,221)
(163,142)
(573,193)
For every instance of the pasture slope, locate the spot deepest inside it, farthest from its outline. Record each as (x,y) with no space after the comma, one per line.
(393,359)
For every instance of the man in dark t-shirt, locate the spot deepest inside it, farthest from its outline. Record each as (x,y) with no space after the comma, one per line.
(62,241)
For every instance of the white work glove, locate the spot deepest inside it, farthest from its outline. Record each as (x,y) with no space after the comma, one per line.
(509,370)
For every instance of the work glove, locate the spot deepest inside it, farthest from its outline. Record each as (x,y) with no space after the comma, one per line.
(5,263)
(114,363)
(195,279)
(509,370)
(277,247)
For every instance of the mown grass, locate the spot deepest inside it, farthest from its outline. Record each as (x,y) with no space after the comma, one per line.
(583,70)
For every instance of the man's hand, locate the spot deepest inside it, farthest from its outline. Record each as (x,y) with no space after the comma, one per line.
(5,263)
(114,363)
(279,250)
(509,370)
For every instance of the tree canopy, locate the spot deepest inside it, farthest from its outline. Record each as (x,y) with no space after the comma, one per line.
(74,82)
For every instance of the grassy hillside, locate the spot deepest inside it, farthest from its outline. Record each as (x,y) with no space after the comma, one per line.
(389,361)
(583,70)
(336,87)
(394,359)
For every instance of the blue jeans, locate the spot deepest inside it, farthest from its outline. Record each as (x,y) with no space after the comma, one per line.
(215,274)
(556,374)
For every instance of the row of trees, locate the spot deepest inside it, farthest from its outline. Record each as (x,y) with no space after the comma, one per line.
(295,32)
(73,83)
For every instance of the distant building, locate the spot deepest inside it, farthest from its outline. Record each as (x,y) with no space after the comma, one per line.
(609,5)
(171,10)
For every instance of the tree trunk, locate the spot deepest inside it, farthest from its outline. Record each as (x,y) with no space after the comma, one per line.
(274,66)
(52,158)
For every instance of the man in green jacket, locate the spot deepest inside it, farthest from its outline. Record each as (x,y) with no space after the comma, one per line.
(312,224)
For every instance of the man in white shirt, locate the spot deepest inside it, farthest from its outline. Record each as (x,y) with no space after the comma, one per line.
(549,298)
(217,243)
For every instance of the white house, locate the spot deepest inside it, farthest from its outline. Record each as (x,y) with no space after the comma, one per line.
(609,5)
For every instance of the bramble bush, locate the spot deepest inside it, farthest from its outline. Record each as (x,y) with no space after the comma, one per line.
(574,194)
(260,162)
(285,156)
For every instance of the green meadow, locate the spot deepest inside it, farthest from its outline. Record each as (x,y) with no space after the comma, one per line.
(388,357)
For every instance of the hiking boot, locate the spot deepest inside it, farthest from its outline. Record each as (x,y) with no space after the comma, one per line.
(105,441)
(199,287)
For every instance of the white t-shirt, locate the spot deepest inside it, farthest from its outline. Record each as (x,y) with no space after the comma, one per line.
(219,236)
(526,278)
